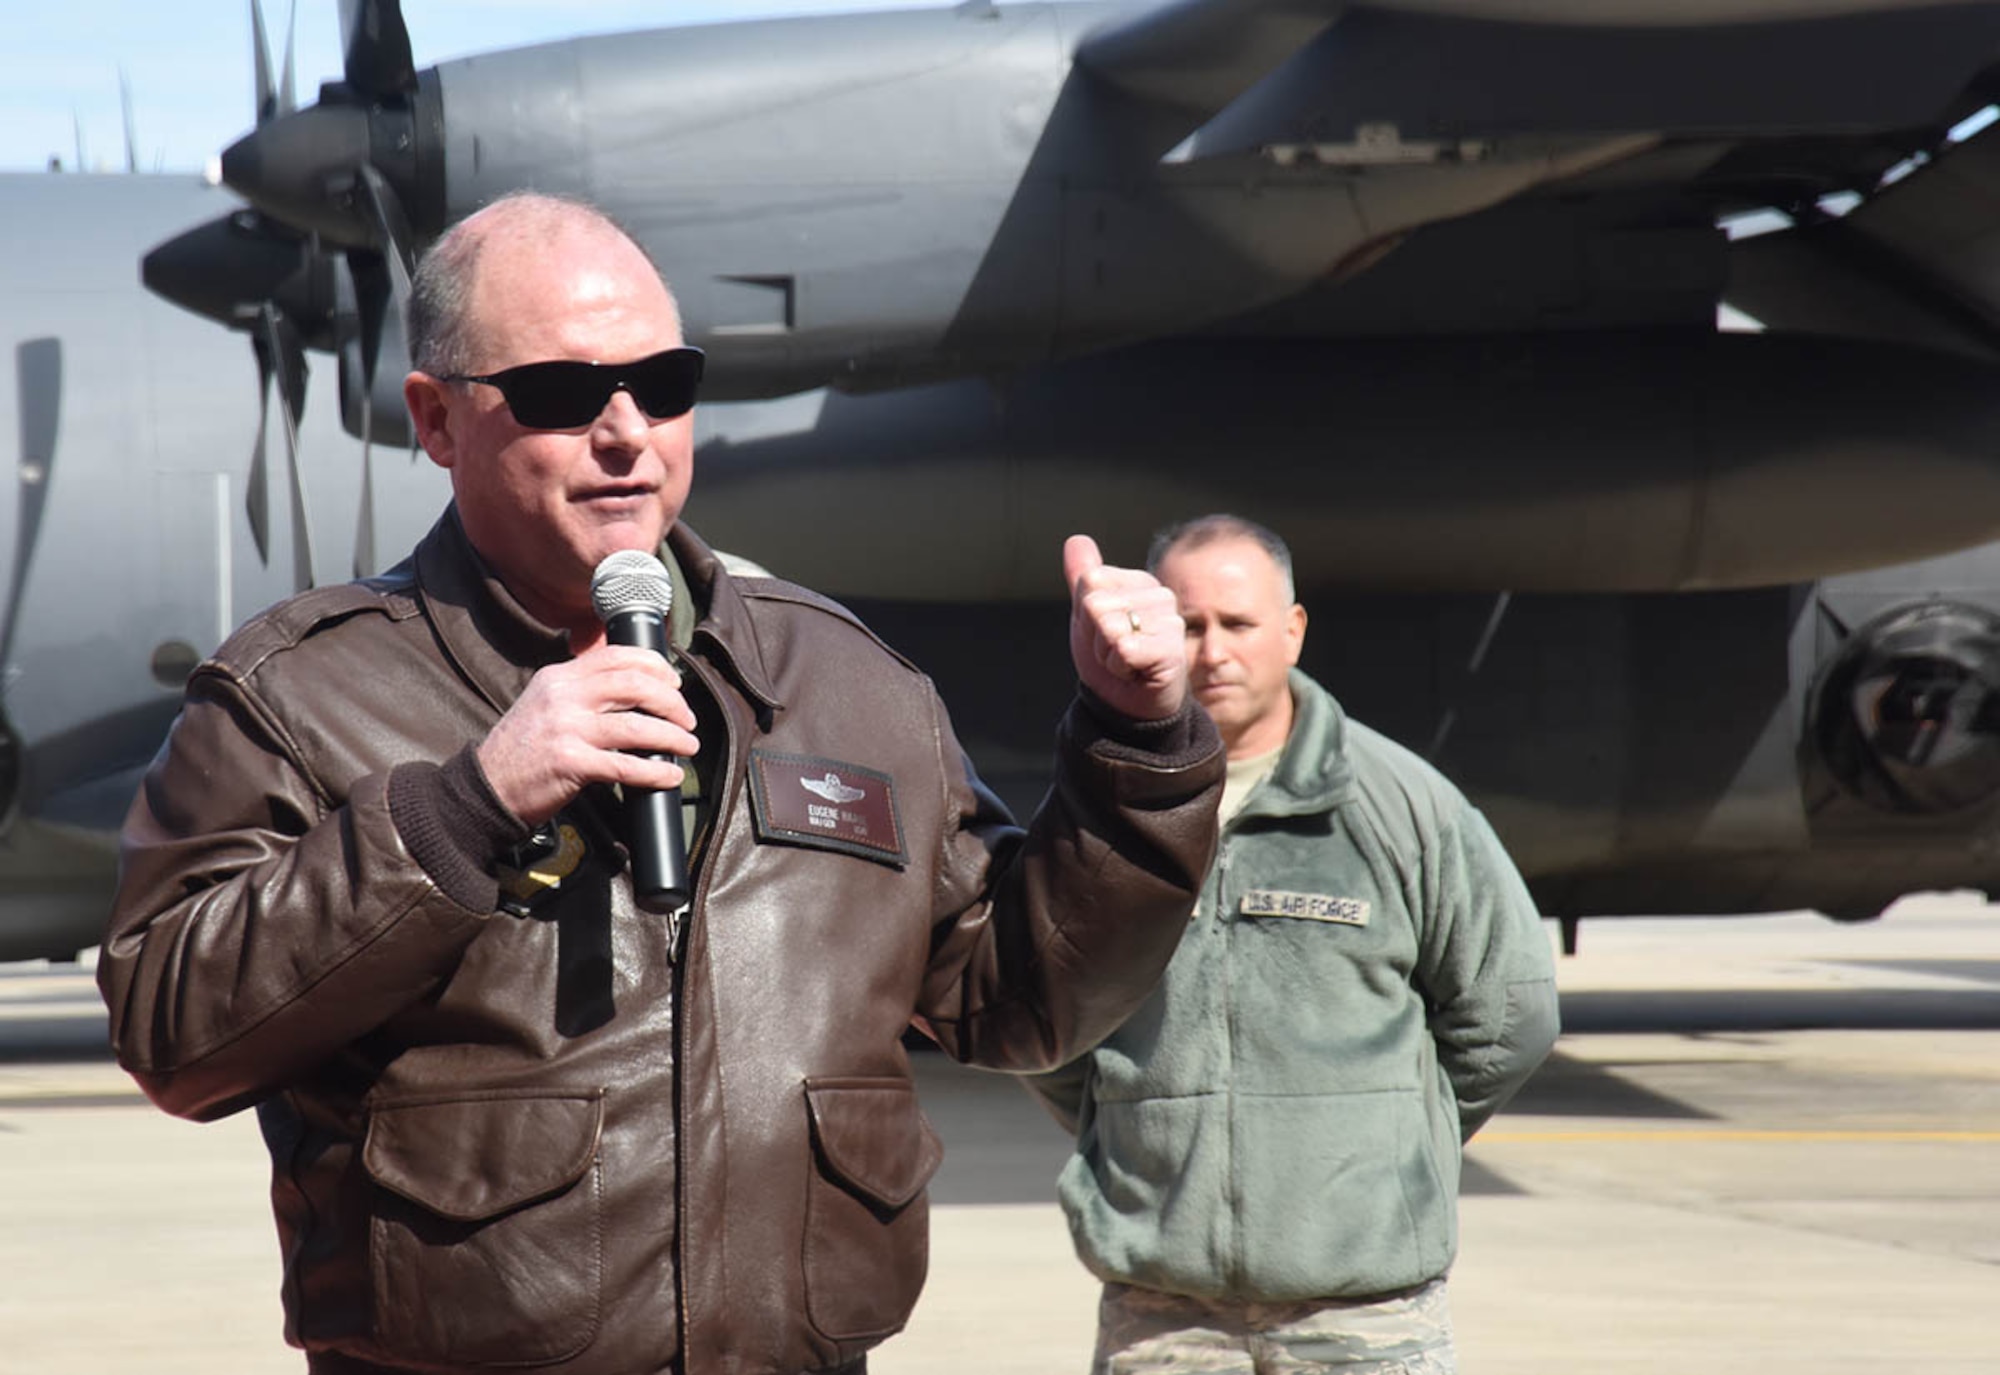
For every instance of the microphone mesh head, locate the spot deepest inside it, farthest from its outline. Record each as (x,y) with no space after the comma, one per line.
(631,580)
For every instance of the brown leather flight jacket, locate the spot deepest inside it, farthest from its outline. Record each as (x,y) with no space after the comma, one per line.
(514,1128)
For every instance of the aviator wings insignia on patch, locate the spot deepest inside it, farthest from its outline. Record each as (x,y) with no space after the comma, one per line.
(826,804)
(832,789)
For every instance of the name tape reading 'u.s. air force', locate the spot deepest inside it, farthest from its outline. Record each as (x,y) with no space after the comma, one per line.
(1269,902)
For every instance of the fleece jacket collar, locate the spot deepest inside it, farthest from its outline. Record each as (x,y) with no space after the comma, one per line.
(1313,774)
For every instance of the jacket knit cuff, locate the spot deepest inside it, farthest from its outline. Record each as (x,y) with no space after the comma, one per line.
(454,826)
(1185,738)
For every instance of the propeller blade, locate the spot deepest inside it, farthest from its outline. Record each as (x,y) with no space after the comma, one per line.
(288,93)
(10,770)
(357,396)
(131,126)
(378,64)
(278,340)
(257,486)
(364,526)
(347,347)
(302,552)
(378,357)
(38,367)
(38,374)
(391,230)
(260,56)
(384,304)
(278,337)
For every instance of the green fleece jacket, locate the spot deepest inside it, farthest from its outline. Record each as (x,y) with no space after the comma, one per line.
(1364,982)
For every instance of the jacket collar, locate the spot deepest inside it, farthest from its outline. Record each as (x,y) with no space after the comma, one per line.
(1313,774)
(498,645)
(488,635)
(725,618)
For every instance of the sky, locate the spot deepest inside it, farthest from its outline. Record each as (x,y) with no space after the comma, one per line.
(189,67)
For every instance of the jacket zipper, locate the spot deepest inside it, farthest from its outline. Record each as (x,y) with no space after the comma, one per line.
(706,846)
(1227,933)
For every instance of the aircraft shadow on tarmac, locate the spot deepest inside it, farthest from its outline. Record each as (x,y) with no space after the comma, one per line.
(1973,1005)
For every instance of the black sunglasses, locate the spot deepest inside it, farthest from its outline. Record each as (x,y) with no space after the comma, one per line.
(567,395)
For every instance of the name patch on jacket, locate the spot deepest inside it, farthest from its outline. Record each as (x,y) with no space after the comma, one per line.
(827,804)
(1269,902)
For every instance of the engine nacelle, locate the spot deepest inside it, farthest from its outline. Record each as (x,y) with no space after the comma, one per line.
(1906,717)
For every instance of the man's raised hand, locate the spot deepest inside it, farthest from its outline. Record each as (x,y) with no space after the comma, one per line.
(1125,634)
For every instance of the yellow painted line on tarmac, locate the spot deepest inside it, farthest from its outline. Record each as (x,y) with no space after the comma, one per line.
(1737,1134)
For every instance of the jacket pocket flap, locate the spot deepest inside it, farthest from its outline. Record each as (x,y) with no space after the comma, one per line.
(873,1137)
(473,1158)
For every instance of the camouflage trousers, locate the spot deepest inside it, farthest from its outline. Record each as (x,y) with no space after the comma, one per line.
(1146,1332)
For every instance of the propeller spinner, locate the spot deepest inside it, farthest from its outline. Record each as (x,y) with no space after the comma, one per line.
(305,167)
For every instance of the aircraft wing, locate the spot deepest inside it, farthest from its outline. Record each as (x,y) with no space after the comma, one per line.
(1421,80)
(1203,54)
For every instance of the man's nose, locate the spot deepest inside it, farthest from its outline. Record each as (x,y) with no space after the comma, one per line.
(621,423)
(1205,646)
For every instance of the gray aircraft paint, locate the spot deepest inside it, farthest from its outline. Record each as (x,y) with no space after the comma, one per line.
(973,278)
(129,554)
(1025,227)
(1638,752)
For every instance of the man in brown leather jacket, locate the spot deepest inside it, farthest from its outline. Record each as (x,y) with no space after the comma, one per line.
(374,885)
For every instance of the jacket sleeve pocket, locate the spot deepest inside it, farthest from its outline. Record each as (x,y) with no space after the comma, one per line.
(868,1222)
(486,1241)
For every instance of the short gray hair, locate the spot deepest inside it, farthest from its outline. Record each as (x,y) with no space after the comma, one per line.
(1202,530)
(439,327)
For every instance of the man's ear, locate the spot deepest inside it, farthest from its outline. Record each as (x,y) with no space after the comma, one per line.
(430,409)
(1295,633)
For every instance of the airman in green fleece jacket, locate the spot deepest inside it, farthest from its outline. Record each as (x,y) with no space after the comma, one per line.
(1267,1152)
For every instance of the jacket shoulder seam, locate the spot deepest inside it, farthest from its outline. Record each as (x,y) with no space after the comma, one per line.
(284,628)
(236,682)
(1389,778)
(790,593)
(297,619)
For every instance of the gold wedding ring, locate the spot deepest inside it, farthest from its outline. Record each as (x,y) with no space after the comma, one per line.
(1133,617)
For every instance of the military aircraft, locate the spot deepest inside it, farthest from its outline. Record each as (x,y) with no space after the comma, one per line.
(1705,620)
(138,434)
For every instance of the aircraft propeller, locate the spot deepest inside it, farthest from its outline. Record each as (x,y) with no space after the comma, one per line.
(301,167)
(376,354)
(318,170)
(38,375)
(323,261)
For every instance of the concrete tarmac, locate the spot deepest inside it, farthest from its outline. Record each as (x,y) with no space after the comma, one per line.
(1764,1145)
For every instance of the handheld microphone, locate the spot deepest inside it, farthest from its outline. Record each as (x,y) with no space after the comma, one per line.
(632,595)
